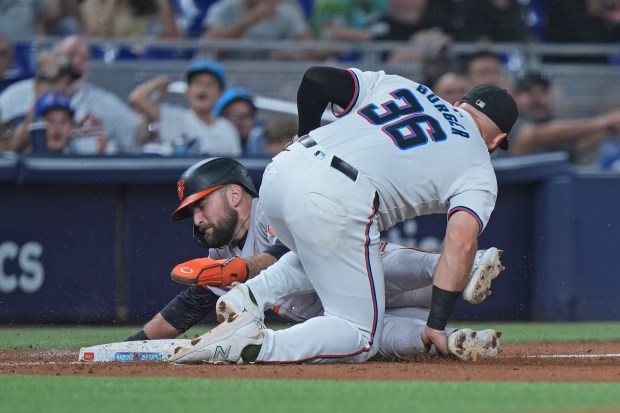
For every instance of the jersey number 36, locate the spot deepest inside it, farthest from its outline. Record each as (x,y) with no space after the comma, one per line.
(405,123)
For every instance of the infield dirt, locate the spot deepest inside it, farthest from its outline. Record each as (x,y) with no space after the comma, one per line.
(579,362)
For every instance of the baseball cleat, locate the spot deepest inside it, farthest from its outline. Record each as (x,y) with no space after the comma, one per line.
(235,302)
(470,345)
(224,343)
(487,266)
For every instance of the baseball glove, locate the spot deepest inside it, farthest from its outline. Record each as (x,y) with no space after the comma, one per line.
(214,273)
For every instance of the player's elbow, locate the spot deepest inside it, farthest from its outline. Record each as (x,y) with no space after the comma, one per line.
(312,76)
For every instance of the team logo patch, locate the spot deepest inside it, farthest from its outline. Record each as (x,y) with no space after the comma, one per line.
(270,230)
(181,188)
(480,103)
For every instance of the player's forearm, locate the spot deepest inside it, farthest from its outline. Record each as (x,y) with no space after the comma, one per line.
(455,265)
(457,257)
(259,262)
(452,273)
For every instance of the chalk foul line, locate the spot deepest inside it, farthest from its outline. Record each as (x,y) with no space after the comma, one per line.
(568,356)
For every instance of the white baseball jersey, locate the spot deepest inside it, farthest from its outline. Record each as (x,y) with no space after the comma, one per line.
(418,154)
(219,139)
(437,160)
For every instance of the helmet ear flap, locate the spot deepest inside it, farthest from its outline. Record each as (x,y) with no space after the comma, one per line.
(199,238)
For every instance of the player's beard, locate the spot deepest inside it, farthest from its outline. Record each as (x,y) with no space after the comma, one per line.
(223,233)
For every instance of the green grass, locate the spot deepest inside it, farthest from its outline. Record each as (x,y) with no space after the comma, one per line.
(167,395)
(153,395)
(552,332)
(37,337)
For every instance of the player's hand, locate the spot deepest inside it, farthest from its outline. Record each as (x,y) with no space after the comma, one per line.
(292,141)
(214,273)
(437,338)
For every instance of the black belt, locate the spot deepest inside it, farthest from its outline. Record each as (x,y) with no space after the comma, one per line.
(337,163)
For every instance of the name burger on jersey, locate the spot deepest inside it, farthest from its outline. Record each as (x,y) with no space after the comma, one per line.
(456,127)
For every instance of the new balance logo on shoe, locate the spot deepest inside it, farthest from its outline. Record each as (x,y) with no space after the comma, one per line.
(224,343)
(220,353)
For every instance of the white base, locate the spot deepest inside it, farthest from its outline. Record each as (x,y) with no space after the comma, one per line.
(143,350)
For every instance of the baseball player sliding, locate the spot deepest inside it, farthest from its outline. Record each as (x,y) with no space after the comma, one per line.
(236,228)
(397,151)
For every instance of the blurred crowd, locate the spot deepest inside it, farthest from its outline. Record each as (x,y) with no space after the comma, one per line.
(592,21)
(218,118)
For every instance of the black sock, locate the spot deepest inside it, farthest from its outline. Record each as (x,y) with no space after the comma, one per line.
(250,353)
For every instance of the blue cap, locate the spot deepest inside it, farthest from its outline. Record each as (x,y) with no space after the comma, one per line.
(207,66)
(52,100)
(231,95)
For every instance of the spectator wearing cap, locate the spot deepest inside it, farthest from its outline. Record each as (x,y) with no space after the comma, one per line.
(237,105)
(533,97)
(538,129)
(89,101)
(53,73)
(54,108)
(196,128)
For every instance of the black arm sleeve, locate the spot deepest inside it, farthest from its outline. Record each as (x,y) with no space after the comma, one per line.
(320,86)
(189,307)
